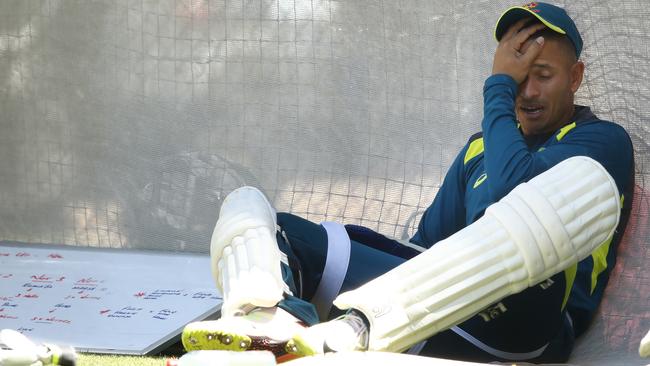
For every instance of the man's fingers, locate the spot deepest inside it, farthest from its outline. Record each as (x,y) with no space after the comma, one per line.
(514,29)
(525,33)
(533,50)
(525,46)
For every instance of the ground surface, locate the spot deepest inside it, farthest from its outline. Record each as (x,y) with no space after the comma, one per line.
(114,360)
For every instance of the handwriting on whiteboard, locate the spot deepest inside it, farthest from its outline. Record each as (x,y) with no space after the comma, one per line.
(48,293)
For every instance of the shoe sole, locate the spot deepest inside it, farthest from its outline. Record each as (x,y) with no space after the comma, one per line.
(203,339)
(298,347)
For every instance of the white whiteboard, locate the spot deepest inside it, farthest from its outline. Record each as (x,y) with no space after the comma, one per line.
(103,300)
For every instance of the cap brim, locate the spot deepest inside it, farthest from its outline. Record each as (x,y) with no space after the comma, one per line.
(512,15)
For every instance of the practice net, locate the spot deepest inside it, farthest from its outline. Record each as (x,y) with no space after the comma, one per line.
(125,123)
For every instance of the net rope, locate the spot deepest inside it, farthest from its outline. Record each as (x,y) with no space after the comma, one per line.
(125,123)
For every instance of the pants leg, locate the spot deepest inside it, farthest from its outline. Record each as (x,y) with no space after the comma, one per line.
(529,326)
(305,244)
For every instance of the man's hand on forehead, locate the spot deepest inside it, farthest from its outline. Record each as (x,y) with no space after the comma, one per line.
(515,54)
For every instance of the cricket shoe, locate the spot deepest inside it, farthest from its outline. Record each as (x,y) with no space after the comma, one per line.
(267,329)
(347,333)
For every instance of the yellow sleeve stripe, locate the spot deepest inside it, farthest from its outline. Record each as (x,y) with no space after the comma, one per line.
(570,275)
(599,257)
(475,148)
(564,130)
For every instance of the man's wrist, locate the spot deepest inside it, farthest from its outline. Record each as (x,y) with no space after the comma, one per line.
(499,93)
(499,81)
(501,78)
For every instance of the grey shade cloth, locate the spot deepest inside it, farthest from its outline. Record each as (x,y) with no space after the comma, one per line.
(124,123)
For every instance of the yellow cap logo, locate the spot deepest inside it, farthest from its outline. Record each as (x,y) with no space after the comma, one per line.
(531,6)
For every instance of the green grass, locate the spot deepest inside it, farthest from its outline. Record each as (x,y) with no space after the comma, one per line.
(117,360)
(92,359)
(95,359)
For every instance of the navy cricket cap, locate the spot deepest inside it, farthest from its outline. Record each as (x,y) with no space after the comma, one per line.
(552,16)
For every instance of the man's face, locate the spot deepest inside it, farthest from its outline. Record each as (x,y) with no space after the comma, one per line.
(545,98)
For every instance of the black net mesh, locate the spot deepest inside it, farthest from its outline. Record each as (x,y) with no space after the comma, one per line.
(124,123)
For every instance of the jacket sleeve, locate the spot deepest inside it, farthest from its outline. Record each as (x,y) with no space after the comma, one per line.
(509,162)
(446,214)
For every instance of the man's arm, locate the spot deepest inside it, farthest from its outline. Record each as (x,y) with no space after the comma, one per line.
(446,214)
(508,161)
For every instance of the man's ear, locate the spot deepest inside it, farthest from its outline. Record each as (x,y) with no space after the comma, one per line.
(577,72)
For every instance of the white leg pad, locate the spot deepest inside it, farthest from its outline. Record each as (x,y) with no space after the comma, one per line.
(537,230)
(644,347)
(244,252)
